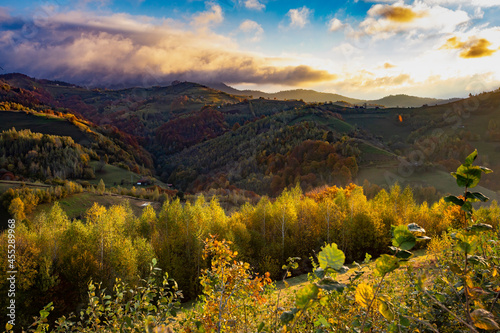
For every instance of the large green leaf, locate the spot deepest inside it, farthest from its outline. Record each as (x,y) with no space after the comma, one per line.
(477,260)
(454,199)
(471,158)
(462,181)
(287,317)
(404,254)
(364,294)
(478,227)
(330,284)
(331,256)
(401,254)
(413,227)
(405,322)
(386,264)
(468,176)
(319,272)
(403,238)
(484,319)
(485,170)
(466,244)
(305,295)
(385,310)
(475,196)
(467,207)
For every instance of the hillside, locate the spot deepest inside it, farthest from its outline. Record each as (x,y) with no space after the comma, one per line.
(201,138)
(436,136)
(395,101)
(136,111)
(37,145)
(174,122)
(308,145)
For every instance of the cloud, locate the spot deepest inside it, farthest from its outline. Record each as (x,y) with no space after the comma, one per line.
(388,65)
(384,21)
(396,13)
(212,16)
(472,3)
(122,50)
(367,83)
(299,17)
(473,48)
(252,27)
(335,24)
(254,4)
(366,79)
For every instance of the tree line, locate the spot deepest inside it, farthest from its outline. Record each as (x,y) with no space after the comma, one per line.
(57,257)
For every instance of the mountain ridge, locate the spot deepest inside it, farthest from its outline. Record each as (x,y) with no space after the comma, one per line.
(312,96)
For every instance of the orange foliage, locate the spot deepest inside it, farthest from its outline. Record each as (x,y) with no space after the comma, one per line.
(323,192)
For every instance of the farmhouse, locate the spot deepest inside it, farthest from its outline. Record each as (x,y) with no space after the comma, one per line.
(144,182)
(6,175)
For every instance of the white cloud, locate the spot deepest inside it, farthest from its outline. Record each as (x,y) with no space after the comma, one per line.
(472,3)
(384,21)
(299,17)
(213,15)
(250,27)
(335,24)
(123,50)
(254,4)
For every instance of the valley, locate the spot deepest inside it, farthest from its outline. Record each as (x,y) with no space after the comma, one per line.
(108,183)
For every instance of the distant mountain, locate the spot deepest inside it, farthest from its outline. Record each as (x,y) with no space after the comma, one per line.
(394,101)
(311,96)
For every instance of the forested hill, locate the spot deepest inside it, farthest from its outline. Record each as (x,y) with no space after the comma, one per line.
(37,119)
(198,138)
(136,111)
(309,145)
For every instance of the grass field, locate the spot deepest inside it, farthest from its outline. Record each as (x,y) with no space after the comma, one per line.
(113,176)
(41,124)
(76,205)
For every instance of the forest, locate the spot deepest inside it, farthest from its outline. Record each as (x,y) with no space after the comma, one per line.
(58,257)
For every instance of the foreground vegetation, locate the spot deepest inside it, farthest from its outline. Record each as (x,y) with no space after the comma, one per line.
(232,273)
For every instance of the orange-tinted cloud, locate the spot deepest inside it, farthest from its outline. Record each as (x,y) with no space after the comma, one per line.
(123,50)
(370,82)
(453,43)
(478,49)
(399,14)
(384,21)
(388,65)
(473,48)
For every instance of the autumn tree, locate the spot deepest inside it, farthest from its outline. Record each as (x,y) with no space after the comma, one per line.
(101,187)
(16,209)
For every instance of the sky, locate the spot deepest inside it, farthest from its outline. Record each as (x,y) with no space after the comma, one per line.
(357,48)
